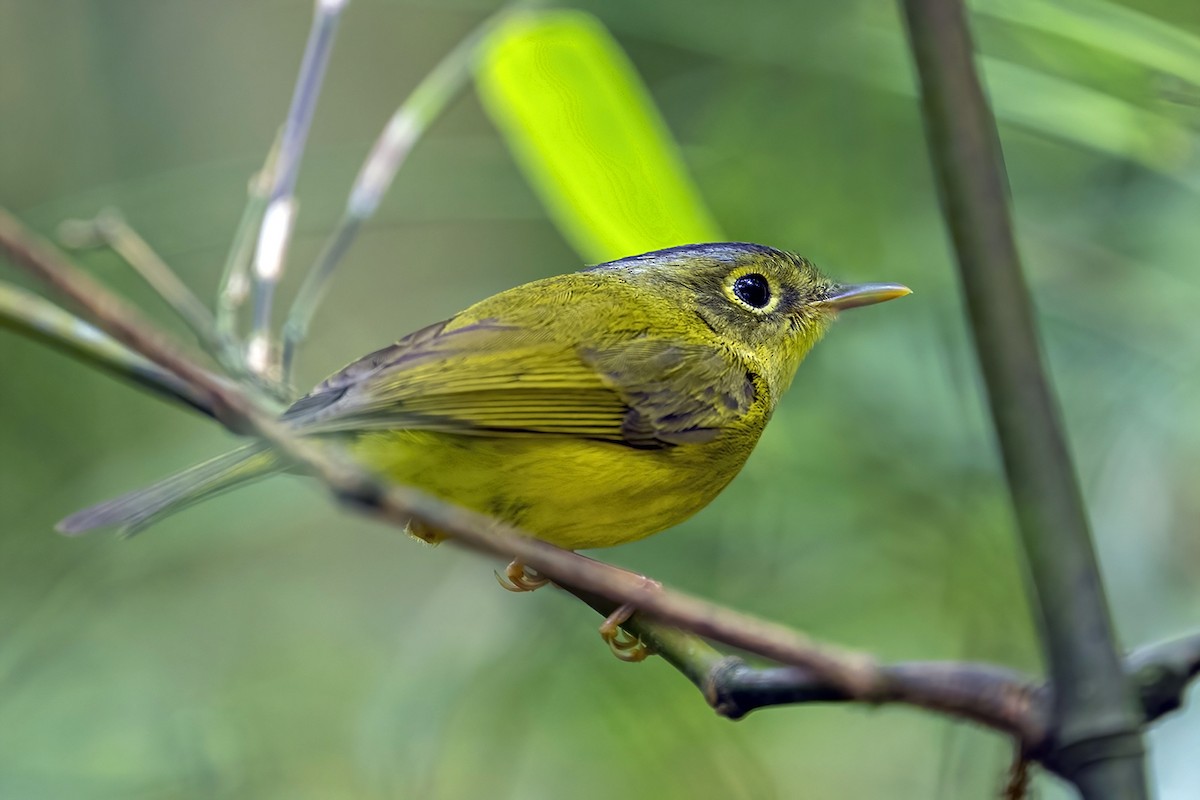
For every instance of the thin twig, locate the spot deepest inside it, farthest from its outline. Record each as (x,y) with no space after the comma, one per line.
(1017,785)
(275,235)
(235,277)
(1000,698)
(1163,672)
(1096,724)
(114,316)
(43,321)
(395,142)
(994,696)
(109,229)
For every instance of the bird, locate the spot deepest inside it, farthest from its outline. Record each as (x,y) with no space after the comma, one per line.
(587,409)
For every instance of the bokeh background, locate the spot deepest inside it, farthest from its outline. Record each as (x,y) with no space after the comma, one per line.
(269,645)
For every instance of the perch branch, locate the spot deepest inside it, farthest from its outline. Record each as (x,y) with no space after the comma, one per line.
(982,692)
(1096,723)
(999,698)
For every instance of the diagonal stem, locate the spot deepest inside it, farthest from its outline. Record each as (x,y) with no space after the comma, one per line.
(110,229)
(43,321)
(279,216)
(1164,671)
(235,277)
(1000,698)
(388,154)
(1096,722)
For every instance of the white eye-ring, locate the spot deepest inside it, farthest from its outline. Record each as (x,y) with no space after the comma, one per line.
(752,291)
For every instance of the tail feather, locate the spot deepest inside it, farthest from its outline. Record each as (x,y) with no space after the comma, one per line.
(138,509)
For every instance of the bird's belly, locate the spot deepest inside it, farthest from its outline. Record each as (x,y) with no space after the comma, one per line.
(574,493)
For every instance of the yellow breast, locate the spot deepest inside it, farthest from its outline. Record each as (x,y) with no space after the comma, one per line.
(575,493)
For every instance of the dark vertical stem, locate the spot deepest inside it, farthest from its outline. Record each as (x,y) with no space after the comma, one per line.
(1097,741)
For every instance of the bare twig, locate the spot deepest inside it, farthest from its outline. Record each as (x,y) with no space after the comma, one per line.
(388,154)
(110,229)
(1000,698)
(1017,786)
(39,319)
(979,692)
(1163,672)
(1096,722)
(279,218)
(235,278)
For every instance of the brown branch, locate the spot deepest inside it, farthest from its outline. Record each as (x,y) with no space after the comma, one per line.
(994,696)
(979,692)
(985,693)
(999,698)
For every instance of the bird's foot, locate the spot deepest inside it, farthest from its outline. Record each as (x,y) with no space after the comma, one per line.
(519,578)
(623,644)
(422,532)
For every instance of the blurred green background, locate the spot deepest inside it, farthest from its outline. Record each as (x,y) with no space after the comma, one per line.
(269,645)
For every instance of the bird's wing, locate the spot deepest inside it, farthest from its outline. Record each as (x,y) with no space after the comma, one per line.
(487,378)
(675,393)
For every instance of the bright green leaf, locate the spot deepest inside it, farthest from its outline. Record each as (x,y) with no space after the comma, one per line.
(588,136)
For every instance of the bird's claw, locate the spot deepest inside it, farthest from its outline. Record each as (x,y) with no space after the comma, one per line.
(623,644)
(519,578)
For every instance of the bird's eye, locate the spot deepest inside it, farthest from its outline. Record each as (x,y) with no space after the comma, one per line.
(753,290)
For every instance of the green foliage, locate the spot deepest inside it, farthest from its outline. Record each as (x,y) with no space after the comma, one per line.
(1120,32)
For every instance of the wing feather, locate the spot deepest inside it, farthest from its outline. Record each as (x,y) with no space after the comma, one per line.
(487,378)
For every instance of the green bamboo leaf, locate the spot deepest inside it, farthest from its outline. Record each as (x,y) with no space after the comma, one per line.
(1129,34)
(588,137)
(1055,107)
(1076,113)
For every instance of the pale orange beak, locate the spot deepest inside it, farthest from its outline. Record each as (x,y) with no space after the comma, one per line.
(861,294)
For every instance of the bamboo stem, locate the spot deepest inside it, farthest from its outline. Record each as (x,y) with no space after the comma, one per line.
(1096,723)
(279,216)
(401,133)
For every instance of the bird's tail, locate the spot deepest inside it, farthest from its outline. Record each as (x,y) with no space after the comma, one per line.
(134,511)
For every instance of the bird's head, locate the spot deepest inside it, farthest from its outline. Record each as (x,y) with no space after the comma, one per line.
(767,303)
